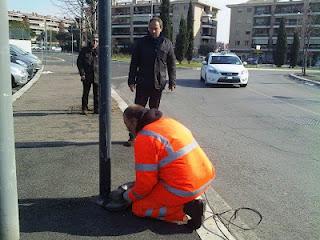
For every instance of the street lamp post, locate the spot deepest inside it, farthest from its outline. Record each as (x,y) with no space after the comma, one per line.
(304,35)
(9,216)
(104,25)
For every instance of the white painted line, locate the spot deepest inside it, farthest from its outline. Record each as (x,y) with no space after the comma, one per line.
(120,77)
(209,230)
(26,87)
(121,103)
(213,228)
(46,72)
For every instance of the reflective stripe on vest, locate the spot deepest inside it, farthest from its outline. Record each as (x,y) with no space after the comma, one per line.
(182,193)
(162,212)
(171,154)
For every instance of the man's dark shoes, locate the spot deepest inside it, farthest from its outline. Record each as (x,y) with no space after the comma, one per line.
(84,112)
(195,209)
(128,143)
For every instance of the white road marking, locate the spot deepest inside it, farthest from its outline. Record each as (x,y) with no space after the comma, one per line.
(121,77)
(26,87)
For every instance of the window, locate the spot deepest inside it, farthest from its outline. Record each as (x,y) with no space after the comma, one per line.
(225,60)
(248,32)
(249,10)
(246,43)
(237,43)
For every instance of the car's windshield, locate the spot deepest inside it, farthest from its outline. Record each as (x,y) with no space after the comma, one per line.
(225,60)
(18,50)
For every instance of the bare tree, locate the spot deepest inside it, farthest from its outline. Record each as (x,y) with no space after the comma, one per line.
(307,30)
(84,12)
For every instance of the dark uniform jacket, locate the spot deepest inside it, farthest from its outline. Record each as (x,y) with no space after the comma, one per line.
(151,59)
(88,65)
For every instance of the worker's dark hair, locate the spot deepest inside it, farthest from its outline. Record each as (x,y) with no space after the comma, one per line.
(143,115)
(157,19)
(134,111)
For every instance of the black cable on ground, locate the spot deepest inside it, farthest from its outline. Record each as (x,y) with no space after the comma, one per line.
(230,221)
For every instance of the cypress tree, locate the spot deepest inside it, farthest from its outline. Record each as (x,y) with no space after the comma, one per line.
(294,51)
(281,46)
(181,40)
(189,51)
(165,17)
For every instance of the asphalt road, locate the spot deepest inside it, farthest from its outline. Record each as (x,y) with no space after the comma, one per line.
(263,139)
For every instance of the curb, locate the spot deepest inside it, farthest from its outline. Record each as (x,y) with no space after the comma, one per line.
(26,87)
(293,76)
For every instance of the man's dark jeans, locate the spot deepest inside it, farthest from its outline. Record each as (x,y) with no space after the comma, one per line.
(85,95)
(151,95)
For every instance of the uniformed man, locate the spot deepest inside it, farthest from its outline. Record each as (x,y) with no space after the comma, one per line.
(87,63)
(172,170)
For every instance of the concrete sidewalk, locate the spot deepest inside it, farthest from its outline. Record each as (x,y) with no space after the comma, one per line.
(57,155)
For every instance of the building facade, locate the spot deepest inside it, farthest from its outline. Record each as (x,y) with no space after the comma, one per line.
(38,23)
(254,25)
(130,20)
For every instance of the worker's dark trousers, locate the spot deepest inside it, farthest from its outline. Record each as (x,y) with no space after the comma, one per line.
(85,95)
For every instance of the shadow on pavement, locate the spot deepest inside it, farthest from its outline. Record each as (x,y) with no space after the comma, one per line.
(60,144)
(82,217)
(193,83)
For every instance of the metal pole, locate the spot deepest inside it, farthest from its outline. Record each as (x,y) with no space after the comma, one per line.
(304,33)
(72,48)
(104,26)
(45,41)
(9,216)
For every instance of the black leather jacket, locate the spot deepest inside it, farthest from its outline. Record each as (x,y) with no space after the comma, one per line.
(151,60)
(88,64)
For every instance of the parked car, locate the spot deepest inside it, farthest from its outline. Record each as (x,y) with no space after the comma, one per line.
(19,51)
(56,49)
(224,68)
(19,75)
(24,63)
(253,61)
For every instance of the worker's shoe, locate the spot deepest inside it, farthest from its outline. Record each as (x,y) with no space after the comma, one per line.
(195,210)
(117,201)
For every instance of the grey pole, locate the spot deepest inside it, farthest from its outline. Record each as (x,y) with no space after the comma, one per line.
(72,49)
(104,25)
(9,216)
(45,41)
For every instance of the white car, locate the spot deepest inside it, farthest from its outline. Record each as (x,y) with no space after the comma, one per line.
(19,75)
(224,68)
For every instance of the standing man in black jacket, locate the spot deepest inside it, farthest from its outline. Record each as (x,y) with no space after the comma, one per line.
(152,57)
(87,63)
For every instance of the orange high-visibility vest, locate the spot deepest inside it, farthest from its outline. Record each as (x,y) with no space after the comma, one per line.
(166,153)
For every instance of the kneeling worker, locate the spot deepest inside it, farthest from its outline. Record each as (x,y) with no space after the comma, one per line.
(171,169)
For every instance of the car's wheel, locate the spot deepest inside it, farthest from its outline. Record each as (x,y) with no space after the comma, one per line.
(201,78)
(205,81)
(13,82)
(243,85)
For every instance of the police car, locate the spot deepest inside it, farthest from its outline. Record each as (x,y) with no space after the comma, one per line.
(224,68)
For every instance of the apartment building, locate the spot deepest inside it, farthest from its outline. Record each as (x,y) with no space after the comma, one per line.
(130,20)
(254,25)
(38,23)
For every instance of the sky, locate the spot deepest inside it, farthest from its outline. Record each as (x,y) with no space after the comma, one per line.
(48,8)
